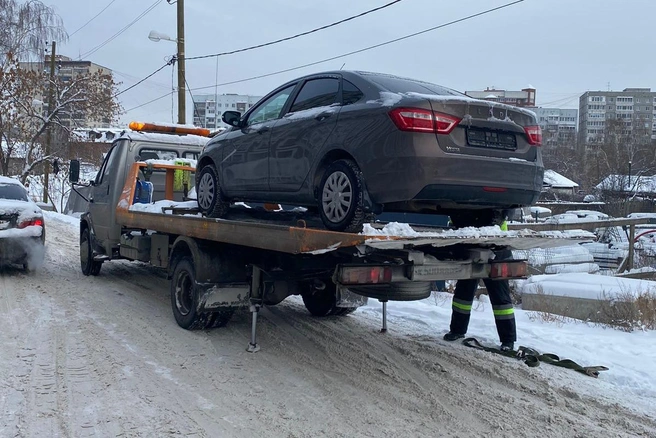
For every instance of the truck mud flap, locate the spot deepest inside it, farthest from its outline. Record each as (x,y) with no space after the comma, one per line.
(347,298)
(216,296)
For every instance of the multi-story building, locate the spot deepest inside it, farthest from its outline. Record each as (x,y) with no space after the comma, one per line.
(67,69)
(633,107)
(209,107)
(558,125)
(523,98)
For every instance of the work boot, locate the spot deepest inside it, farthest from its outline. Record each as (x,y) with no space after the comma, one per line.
(507,346)
(453,336)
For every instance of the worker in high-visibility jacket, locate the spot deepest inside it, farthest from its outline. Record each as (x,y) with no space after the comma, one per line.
(502,307)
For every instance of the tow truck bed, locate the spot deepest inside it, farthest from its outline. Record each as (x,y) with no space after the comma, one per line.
(270,234)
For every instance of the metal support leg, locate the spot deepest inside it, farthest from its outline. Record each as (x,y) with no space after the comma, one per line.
(384,329)
(252,346)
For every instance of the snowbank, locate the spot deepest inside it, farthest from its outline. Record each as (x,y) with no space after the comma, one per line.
(587,286)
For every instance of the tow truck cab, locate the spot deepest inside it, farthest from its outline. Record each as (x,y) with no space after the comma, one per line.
(142,143)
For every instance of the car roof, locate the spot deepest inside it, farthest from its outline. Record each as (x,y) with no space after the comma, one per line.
(7,180)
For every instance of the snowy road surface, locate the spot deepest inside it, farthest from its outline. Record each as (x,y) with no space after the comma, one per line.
(84,356)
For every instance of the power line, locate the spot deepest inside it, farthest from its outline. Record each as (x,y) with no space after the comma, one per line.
(142,80)
(364,49)
(132,78)
(110,39)
(114,96)
(270,43)
(194,102)
(150,101)
(92,18)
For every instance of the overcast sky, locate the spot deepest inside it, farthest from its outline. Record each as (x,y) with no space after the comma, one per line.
(561,47)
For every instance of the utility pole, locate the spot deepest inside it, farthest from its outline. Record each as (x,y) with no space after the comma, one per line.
(182,108)
(51,105)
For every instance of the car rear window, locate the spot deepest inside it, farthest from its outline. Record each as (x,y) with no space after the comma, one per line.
(404,85)
(316,93)
(13,191)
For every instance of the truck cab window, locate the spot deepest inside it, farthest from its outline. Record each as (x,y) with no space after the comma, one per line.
(109,164)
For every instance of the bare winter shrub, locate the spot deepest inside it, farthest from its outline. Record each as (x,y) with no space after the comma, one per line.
(628,311)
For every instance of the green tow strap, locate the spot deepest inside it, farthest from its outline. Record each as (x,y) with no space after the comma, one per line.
(532,358)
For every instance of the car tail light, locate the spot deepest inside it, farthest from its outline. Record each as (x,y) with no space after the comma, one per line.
(534,135)
(350,275)
(515,269)
(32,222)
(422,120)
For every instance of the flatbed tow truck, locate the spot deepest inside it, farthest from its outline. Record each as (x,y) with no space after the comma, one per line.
(258,258)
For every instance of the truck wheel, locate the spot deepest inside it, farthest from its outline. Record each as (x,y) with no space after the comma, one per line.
(88,265)
(324,302)
(341,197)
(208,193)
(184,301)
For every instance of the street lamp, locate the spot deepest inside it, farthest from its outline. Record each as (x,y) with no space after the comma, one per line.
(158,36)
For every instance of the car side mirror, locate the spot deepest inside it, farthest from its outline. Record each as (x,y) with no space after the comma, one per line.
(74,171)
(232,118)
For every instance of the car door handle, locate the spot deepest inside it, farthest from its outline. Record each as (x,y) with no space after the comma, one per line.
(323,116)
(263,129)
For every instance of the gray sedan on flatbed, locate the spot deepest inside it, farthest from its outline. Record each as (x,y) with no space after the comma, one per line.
(350,144)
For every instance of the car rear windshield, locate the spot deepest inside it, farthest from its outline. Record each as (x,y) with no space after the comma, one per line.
(13,191)
(404,85)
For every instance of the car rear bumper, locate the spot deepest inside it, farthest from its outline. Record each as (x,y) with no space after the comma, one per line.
(454,196)
(449,181)
(18,250)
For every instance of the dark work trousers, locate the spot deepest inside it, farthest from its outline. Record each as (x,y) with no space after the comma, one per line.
(499,293)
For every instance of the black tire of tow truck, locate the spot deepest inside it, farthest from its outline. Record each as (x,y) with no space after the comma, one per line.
(184,301)
(324,302)
(88,265)
(217,207)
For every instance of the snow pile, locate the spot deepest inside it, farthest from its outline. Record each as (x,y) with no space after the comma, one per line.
(584,268)
(175,162)
(387,98)
(159,206)
(630,357)
(558,181)
(559,255)
(587,286)
(311,112)
(396,229)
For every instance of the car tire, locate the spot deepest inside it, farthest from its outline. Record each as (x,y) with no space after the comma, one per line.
(341,197)
(184,300)
(208,194)
(88,265)
(323,302)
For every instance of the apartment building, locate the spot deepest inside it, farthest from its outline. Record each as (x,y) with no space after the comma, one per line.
(67,69)
(633,107)
(558,125)
(209,107)
(522,98)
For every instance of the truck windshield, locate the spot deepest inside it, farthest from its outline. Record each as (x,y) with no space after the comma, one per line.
(13,191)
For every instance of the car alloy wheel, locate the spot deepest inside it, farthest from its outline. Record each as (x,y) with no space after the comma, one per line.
(341,197)
(208,193)
(337,196)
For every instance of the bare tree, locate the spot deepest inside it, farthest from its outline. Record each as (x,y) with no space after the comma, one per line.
(26,26)
(24,118)
(622,155)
